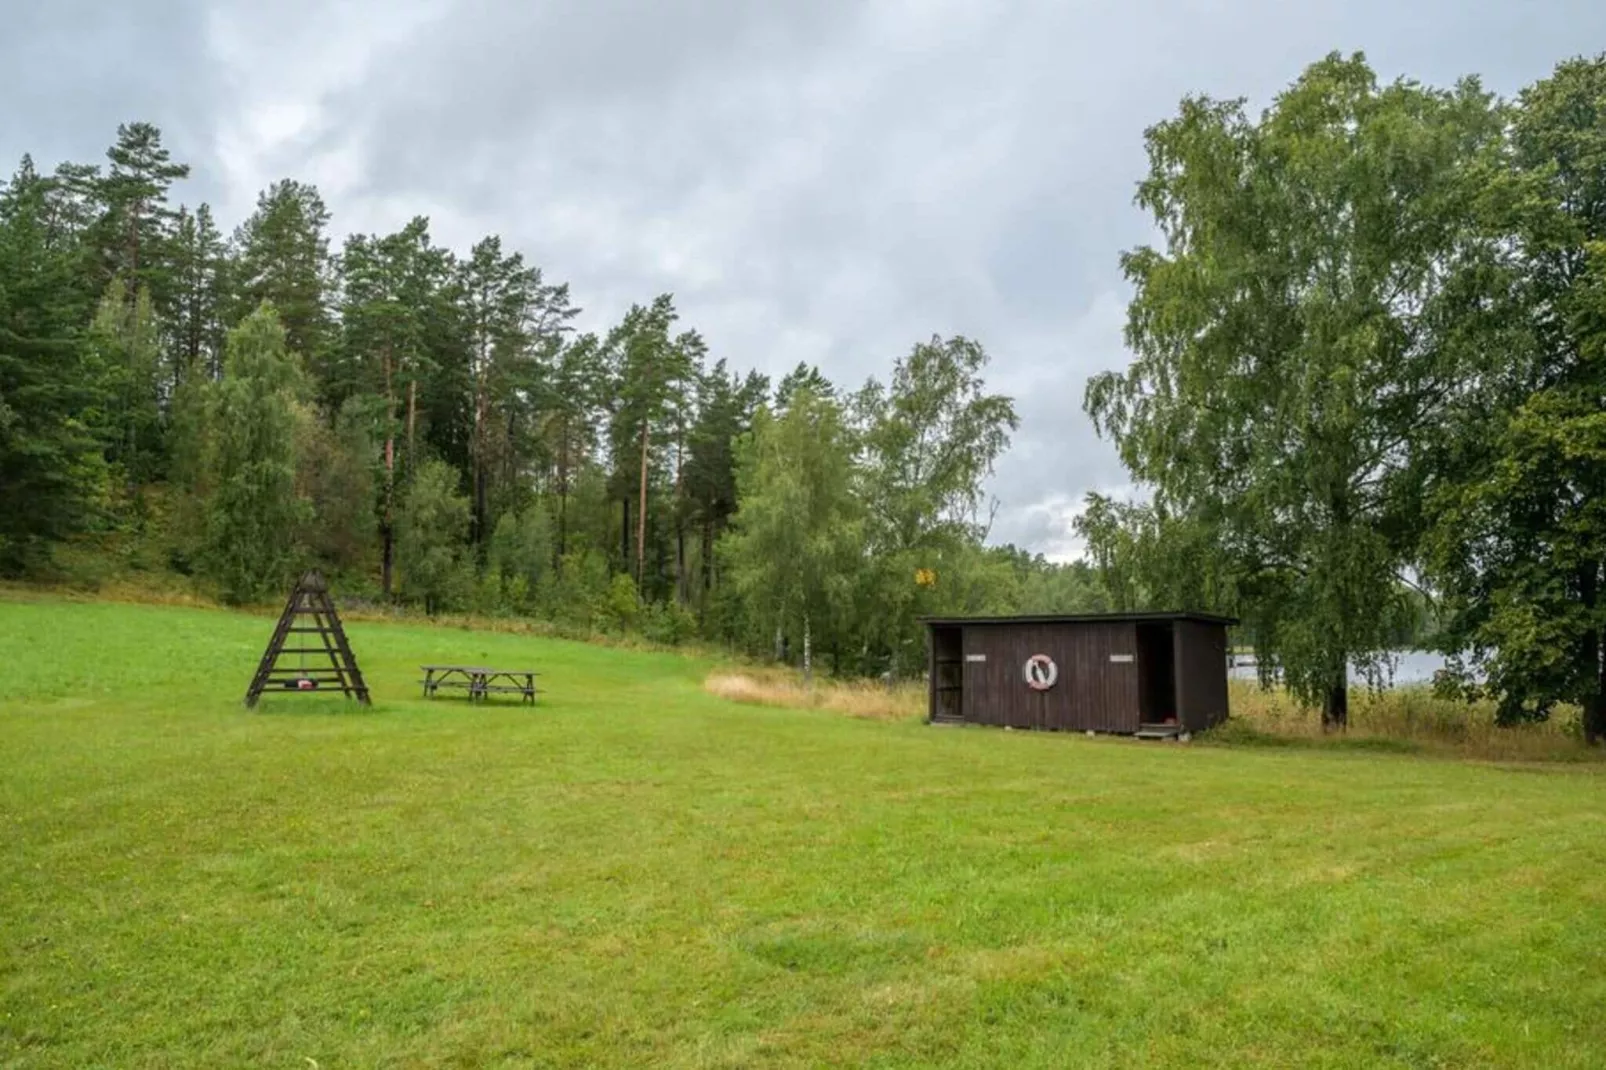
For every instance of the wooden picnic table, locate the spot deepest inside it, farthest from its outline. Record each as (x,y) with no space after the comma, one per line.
(480,681)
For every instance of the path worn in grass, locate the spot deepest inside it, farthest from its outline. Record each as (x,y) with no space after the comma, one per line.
(636,873)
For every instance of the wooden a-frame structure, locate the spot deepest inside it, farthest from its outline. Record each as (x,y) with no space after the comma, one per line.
(310,613)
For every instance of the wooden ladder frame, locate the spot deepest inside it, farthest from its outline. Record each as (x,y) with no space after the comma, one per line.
(310,598)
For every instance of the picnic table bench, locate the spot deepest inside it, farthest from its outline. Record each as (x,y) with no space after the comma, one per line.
(479,681)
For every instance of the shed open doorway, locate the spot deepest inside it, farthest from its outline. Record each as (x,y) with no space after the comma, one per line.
(1157,673)
(948,676)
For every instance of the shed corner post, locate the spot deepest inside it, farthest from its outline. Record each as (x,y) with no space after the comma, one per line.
(1179,671)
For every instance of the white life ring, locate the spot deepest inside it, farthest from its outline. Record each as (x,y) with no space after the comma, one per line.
(1040,672)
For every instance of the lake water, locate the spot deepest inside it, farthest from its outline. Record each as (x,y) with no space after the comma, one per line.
(1410,667)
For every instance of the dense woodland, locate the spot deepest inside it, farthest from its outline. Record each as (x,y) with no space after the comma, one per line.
(1367,396)
(428,425)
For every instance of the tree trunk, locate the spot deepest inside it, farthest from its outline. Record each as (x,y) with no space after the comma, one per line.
(480,519)
(808,654)
(641,519)
(1595,705)
(563,493)
(708,558)
(477,447)
(625,531)
(412,423)
(479,471)
(682,588)
(1595,668)
(682,595)
(1335,705)
(387,527)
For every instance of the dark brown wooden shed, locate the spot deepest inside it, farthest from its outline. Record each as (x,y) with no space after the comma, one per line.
(1133,673)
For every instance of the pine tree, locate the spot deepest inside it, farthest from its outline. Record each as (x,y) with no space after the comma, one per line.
(576,385)
(50,466)
(391,287)
(691,351)
(201,269)
(516,323)
(726,403)
(282,257)
(254,514)
(136,231)
(125,346)
(652,370)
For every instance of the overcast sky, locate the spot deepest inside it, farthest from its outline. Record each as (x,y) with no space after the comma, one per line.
(818,180)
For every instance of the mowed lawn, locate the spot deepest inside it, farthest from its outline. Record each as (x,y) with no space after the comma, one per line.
(635,873)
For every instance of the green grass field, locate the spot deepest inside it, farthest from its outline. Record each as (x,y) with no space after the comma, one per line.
(637,873)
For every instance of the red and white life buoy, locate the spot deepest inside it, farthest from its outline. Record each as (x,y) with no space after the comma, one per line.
(1040,672)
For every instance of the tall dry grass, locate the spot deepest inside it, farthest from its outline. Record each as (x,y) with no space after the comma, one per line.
(1405,718)
(856,698)
(1411,720)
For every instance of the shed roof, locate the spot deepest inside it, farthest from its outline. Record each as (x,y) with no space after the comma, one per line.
(1082,618)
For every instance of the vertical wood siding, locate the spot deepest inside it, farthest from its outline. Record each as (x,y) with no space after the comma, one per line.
(1092,692)
(1201,674)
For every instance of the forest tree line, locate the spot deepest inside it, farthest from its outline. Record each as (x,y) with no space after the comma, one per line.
(1367,395)
(1370,358)
(429,427)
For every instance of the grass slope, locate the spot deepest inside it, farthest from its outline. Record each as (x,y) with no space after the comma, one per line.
(637,873)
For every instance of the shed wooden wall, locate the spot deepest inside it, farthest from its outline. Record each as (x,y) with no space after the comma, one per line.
(1092,692)
(1201,674)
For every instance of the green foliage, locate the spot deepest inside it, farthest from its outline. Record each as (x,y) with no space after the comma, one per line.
(651,369)
(254,514)
(577,595)
(135,229)
(1314,312)
(50,463)
(796,543)
(125,349)
(1519,542)
(516,323)
(929,439)
(583,458)
(622,605)
(667,623)
(431,531)
(203,276)
(335,476)
(283,258)
(521,553)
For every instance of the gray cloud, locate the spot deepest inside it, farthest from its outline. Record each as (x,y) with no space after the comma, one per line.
(828,182)
(71,70)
